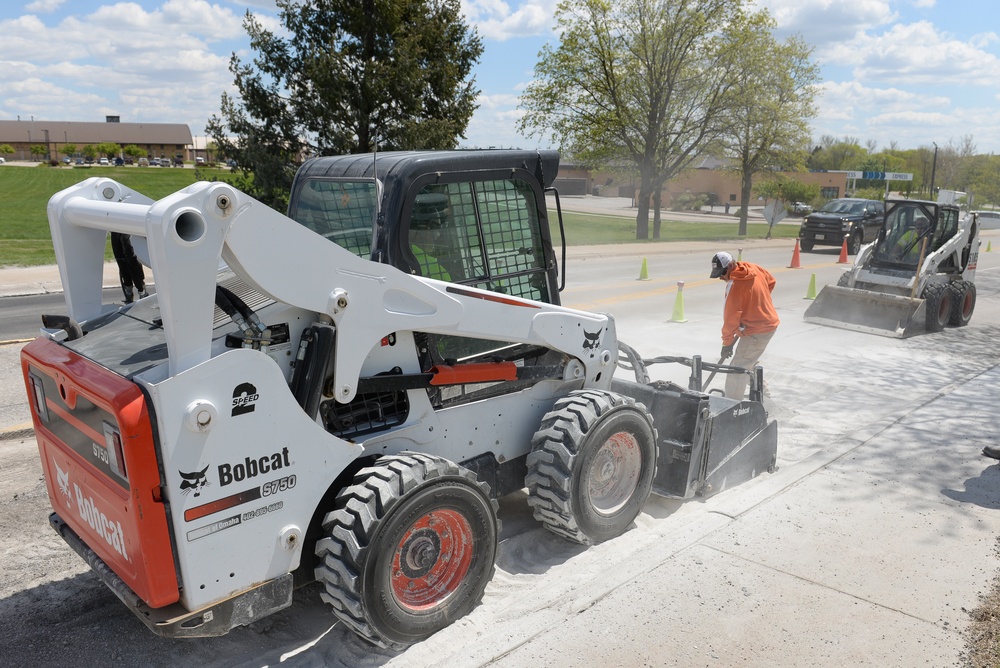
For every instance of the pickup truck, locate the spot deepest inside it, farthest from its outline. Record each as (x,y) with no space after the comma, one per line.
(857,220)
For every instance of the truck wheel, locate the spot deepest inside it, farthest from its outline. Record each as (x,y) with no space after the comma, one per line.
(938,301)
(854,244)
(408,549)
(964,303)
(805,246)
(591,466)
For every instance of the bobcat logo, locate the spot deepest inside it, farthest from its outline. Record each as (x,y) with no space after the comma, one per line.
(194,481)
(591,340)
(62,477)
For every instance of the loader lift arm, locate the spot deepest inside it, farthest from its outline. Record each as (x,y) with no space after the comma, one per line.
(192,232)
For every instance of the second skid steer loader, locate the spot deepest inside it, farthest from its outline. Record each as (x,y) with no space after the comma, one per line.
(918,275)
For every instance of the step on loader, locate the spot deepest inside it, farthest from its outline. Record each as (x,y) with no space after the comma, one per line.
(343,394)
(917,276)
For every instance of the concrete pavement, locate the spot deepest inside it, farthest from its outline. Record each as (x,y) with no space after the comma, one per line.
(869,552)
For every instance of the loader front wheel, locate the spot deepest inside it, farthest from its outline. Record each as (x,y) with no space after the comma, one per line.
(591,466)
(938,301)
(408,549)
(964,303)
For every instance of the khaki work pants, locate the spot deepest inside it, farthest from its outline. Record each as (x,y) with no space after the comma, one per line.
(748,352)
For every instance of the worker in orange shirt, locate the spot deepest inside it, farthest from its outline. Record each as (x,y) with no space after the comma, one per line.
(748,316)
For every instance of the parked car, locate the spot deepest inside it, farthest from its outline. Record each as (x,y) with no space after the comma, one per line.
(199,160)
(155,162)
(88,161)
(801,209)
(119,162)
(129,161)
(79,161)
(178,161)
(67,160)
(144,162)
(2,160)
(103,162)
(857,220)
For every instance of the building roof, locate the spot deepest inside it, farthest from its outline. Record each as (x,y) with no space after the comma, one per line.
(75,132)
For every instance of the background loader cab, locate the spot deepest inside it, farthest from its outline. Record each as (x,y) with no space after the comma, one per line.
(918,276)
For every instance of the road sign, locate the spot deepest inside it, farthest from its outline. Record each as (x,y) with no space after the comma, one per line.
(880,176)
(774,212)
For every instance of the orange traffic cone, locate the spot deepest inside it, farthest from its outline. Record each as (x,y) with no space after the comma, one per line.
(843,253)
(795,257)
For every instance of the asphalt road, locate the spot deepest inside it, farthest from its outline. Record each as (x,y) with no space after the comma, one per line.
(825,383)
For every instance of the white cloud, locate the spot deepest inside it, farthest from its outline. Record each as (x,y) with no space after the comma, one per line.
(43,6)
(825,23)
(494,19)
(919,54)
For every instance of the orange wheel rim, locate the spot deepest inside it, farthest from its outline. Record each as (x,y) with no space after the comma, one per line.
(432,559)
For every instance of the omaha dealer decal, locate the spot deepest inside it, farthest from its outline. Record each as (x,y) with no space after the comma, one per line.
(244,399)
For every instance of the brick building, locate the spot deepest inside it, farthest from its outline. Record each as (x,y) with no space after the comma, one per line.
(160,140)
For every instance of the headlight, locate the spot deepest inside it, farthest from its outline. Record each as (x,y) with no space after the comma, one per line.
(845,226)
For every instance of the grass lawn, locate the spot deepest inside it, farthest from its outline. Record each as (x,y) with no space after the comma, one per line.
(25,192)
(583,229)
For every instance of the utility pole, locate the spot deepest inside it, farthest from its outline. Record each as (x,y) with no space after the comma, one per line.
(933,170)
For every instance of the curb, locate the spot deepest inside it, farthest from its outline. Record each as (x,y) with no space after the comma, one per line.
(18,431)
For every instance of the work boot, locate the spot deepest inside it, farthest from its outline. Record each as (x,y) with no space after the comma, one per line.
(992,451)
(129,294)
(143,294)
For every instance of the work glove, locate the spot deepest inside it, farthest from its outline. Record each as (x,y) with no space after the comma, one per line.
(727,351)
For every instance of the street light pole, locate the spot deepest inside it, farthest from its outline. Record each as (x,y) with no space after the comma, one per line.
(933,170)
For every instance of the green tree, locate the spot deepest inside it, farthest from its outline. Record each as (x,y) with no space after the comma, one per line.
(351,76)
(38,150)
(108,149)
(89,151)
(774,98)
(638,82)
(134,152)
(69,149)
(786,189)
(833,154)
(6,149)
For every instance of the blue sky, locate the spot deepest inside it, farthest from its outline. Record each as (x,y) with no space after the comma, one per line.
(910,72)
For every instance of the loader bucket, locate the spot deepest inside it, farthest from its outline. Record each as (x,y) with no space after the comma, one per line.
(706,443)
(866,311)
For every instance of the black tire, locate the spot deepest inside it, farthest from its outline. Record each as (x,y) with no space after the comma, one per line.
(853,244)
(938,301)
(963,303)
(843,279)
(591,466)
(805,246)
(409,548)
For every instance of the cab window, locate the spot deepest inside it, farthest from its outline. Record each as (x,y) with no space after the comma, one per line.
(480,233)
(342,211)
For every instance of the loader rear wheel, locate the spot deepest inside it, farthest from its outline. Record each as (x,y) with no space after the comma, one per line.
(409,548)
(591,466)
(938,301)
(964,303)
